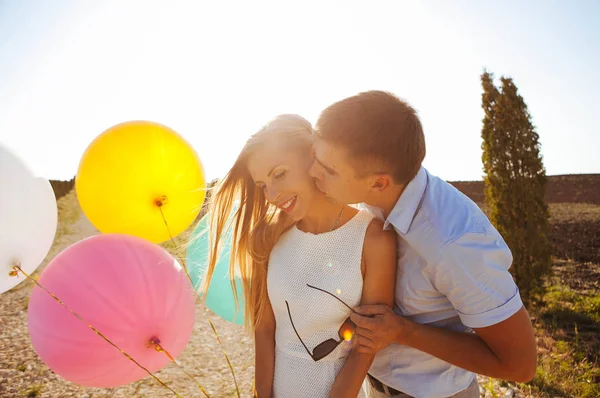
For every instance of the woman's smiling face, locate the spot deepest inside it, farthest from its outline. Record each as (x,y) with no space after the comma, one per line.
(282,174)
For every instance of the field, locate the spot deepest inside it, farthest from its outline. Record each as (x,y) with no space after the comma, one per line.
(566,318)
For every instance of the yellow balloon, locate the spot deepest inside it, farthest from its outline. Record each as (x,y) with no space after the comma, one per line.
(133,172)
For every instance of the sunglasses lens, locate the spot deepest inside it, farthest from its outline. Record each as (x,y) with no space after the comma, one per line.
(324,349)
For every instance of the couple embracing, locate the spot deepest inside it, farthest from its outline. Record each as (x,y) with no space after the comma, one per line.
(407,294)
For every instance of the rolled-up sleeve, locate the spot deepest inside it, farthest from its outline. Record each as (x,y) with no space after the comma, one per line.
(472,272)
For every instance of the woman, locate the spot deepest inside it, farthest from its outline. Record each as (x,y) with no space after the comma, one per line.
(304,261)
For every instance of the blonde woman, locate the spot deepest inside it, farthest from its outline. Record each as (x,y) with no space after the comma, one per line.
(305,261)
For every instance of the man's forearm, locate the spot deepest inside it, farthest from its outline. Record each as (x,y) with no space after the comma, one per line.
(465,350)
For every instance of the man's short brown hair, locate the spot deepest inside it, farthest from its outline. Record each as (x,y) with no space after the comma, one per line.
(381,133)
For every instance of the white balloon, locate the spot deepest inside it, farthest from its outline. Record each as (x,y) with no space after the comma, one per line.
(28,219)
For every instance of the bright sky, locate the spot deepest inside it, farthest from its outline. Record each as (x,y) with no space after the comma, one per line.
(215,71)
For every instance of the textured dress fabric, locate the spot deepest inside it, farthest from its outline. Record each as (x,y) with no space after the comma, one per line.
(330,261)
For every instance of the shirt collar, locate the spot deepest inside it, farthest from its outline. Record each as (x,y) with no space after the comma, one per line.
(406,207)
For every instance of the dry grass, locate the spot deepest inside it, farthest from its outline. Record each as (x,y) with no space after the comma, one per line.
(574,212)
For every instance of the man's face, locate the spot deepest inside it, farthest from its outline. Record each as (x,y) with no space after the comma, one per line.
(335,176)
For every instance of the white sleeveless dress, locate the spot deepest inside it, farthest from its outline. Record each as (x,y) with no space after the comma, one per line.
(330,261)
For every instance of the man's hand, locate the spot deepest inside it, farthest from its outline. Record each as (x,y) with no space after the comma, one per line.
(377,326)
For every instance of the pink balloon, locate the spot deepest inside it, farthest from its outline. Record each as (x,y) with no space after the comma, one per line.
(129,289)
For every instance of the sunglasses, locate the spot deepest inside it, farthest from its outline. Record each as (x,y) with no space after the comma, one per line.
(325,348)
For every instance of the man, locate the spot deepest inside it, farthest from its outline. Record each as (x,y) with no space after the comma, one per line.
(457,310)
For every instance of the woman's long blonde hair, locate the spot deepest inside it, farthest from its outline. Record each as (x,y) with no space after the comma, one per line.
(256,225)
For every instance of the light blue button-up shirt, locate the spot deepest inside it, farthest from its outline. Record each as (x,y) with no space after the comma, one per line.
(452,273)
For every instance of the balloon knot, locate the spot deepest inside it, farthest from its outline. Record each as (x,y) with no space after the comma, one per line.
(155,342)
(161,201)
(15,269)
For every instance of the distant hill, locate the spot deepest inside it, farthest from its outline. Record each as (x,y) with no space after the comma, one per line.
(572,188)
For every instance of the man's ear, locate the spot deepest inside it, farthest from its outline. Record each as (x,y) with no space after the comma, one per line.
(380,182)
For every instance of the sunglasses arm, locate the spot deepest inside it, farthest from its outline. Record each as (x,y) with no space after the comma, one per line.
(293,326)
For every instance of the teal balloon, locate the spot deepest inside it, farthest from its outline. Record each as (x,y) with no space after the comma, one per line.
(220,297)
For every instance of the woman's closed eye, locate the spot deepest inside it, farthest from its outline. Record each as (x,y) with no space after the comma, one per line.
(276,176)
(279,174)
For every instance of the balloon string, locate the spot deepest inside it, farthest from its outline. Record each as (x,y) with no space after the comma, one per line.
(175,244)
(237,388)
(160,204)
(158,347)
(17,269)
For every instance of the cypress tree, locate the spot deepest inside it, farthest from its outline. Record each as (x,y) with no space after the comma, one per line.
(515,182)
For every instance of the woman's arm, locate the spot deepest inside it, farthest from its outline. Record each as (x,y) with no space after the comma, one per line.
(379,259)
(264,353)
